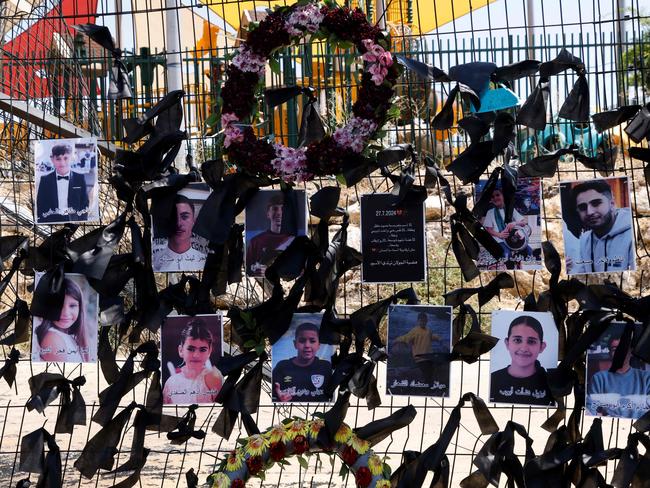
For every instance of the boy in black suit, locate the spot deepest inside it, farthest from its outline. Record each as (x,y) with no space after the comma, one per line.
(62,194)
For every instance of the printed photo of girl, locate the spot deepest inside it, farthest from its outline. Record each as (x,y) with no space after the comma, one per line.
(190,349)
(73,337)
(530,345)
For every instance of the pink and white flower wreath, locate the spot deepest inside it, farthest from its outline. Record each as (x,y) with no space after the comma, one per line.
(302,164)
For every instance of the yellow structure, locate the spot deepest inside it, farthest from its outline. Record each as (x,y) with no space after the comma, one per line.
(426,17)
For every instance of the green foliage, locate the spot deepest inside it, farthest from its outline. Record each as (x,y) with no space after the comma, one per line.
(636,59)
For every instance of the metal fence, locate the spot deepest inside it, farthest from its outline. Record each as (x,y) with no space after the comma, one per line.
(74,102)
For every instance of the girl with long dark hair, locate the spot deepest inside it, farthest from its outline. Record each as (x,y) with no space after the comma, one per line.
(66,339)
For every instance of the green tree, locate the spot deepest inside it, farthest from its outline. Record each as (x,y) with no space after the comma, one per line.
(636,59)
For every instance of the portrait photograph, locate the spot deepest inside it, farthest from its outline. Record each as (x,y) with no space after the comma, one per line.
(65,181)
(527,348)
(174,245)
(273,220)
(302,365)
(418,347)
(597,226)
(73,337)
(519,235)
(624,393)
(190,348)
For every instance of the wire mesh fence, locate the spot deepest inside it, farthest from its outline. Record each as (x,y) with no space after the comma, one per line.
(53,84)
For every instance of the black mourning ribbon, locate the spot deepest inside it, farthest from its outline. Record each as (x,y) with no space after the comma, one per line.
(377,430)
(485,293)
(475,125)
(47,301)
(169,113)
(639,127)
(46,387)
(475,343)
(9,245)
(434,459)
(423,70)
(52,251)
(333,258)
(533,112)
(34,460)
(497,457)
(184,430)
(403,183)
(239,396)
(94,261)
(445,118)
(8,370)
(312,128)
(119,87)
(466,230)
(515,71)
(611,118)
(333,419)
(19,316)
(109,398)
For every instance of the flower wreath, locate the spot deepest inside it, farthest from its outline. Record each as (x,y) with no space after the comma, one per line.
(246,76)
(297,437)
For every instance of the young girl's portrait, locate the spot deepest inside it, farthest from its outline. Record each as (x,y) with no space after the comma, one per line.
(527,348)
(190,348)
(73,337)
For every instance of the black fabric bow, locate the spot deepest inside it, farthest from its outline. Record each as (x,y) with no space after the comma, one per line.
(333,258)
(377,430)
(184,430)
(433,459)
(639,127)
(497,456)
(508,178)
(240,398)
(485,293)
(312,128)
(8,370)
(533,112)
(47,301)
(612,118)
(34,460)
(445,118)
(93,262)
(110,397)
(466,230)
(119,87)
(403,184)
(9,245)
(19,316)
(470,347)
(169,113)
(423,70)
(46,387)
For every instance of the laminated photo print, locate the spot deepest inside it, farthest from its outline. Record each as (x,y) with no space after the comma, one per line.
(527,347)
(418,347)
(597,226)
(274,218)
(65,181)
(302,365)
(174,245)
(623,393)
(190,348)
(73,337)
(519,236)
